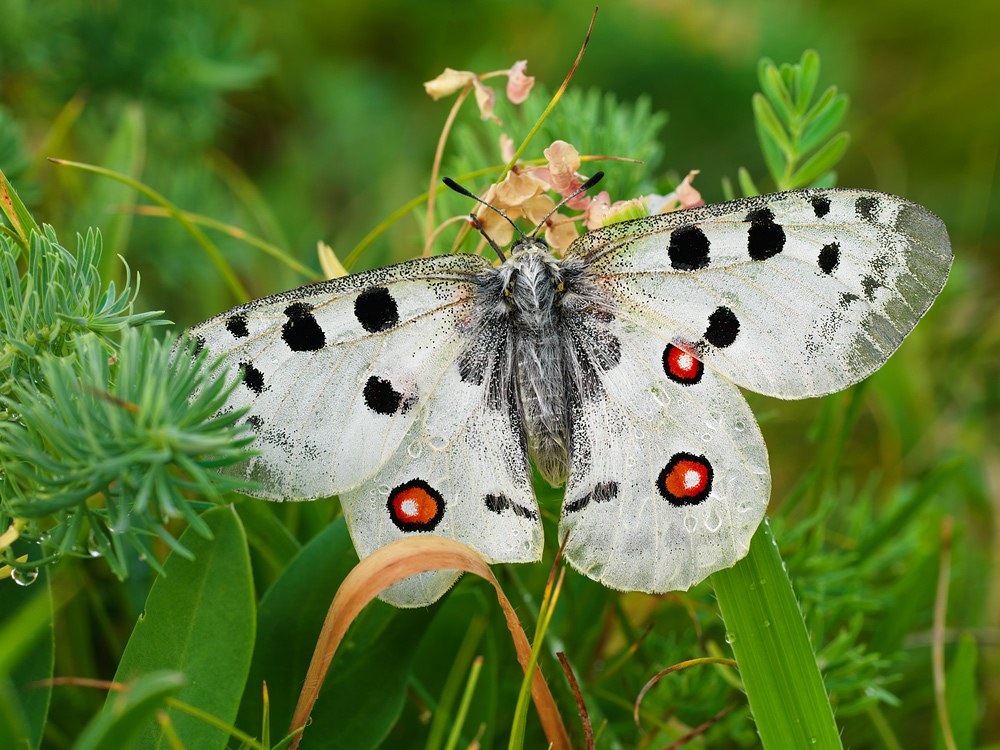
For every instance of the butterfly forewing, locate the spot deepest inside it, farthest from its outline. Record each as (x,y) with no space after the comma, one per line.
(335,374)
(793,295)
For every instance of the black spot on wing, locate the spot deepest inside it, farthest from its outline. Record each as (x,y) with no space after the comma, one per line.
(688,249)
(376,309)
(256,422)
(237,325)
(499,502)
(820,205)
(601,492)
(301,331)
(723,327)
(382,398)
(199,346)
(869,285)
(253,378)
(866,207)
(846,298)
(829,257)
(765,239)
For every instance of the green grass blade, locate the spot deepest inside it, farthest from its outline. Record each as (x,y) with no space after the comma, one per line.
(771,645)
(232,281)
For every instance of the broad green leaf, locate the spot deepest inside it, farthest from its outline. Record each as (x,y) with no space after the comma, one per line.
(13,726)
(747,185)
(27,654)
(820,162)
(806,80)
(961,697)
(199,620)
(366,686)
(777,92)
(128,714)
(774,143)
(776,661)
(267,535)
(824,122)
(289,618)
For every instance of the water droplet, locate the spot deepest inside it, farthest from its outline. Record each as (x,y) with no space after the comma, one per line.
(767,623)
(740,426)
(631,461)
(690,523)
(384,490)
(24,576)
(414,449)
(714,521)
(638,433)
(707,437)
(437,442)
(93,548)
(744,506)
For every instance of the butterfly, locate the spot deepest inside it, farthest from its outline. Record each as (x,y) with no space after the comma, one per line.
(420,392)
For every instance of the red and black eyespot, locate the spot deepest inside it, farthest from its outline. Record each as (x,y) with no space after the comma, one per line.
(685,480)
(415,506)
(681,365)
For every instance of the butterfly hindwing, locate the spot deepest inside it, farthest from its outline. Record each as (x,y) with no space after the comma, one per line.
(668,474)
(792,295)
(463,475)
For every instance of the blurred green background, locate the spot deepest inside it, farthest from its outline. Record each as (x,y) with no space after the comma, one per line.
(305,121)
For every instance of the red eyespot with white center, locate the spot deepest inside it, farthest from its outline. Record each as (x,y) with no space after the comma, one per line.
(681,365)
(685,480)
(415,506)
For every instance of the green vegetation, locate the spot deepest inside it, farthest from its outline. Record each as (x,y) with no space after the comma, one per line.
(240,135)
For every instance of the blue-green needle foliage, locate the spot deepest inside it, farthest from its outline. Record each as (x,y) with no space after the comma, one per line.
(104,435)
(57,297)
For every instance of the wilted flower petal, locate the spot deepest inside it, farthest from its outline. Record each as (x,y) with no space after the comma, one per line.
(449,82)
(563,161)
(560,231)
(538,208)
(518,187)
(685,196)
(506,148)
(518,84)
(486,98)
(597,210)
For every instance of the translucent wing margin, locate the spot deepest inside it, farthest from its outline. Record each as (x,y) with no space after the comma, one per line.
(793,294)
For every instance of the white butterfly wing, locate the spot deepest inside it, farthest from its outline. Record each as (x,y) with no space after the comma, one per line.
(793,295)
(473,486)
(668,473)
(336,374)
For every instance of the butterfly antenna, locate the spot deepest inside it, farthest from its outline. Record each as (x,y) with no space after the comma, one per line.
(475,221)
(582,189)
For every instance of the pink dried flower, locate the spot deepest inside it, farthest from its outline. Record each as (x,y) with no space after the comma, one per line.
(518,84)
